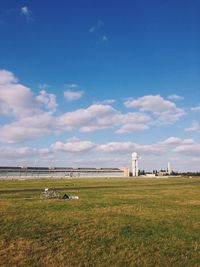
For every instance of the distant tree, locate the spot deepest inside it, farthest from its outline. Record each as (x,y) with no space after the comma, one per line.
(141,172)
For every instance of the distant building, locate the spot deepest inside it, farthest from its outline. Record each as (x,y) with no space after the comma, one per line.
(126,171)
(150,175)
(56,172)
(162,173)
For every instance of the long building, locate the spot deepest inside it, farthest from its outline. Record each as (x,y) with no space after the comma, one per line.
(59,172)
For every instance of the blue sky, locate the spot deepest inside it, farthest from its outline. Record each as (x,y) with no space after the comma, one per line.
(85,83)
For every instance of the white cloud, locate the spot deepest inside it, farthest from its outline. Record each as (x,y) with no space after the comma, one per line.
(165,111)
(175,97)
(22,152)
(98,117)
(30,118)
(158,148)
(73,95)
(171,144)
(19,101)
(129,128)
(25,156)
(197,108)
(106,101)
(25,11)
(195,126)
(94,116)
(28,128)
(189,149)
(49,100)
(18,134)
(73,145)
(99,162)
(15,99)
(131,122)
(172,141)
(117,147)
(183,153)
(7,77)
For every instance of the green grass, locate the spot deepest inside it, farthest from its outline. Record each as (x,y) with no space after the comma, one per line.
(153,222)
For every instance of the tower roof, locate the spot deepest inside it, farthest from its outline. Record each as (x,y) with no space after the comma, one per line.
(134,155)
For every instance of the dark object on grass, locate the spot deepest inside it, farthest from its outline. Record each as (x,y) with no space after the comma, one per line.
(69,197)
(65,196)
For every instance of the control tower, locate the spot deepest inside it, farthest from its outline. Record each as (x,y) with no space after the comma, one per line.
(135,164)
(169,168)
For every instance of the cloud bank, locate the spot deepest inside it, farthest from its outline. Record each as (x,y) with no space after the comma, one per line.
(27,116)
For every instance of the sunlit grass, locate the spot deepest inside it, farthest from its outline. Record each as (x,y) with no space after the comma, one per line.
(145,224)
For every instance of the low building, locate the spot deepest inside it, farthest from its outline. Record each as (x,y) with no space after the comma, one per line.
(58,172)
(150,175)
(162,173)
(126,171)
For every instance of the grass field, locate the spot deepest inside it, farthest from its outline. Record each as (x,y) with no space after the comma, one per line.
(146,222)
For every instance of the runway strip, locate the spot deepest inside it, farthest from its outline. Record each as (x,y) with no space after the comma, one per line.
(95,187)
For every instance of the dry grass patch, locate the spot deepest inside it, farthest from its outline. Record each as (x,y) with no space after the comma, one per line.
(189,202)
(15,251)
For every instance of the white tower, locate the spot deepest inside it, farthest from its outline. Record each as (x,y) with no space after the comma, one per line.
(135,164)
(169,168)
